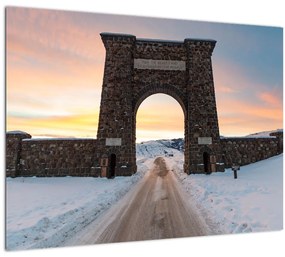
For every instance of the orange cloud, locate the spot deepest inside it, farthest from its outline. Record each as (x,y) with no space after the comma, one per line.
(164,123)
(145,135)
(74,126)
(244,106)
(270,99)
(238,117)
(245,126)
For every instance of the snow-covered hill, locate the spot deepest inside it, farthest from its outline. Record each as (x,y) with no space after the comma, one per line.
(156,148)
(177,143)
(263,133)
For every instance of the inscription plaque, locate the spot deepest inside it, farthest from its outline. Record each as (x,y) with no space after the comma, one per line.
(113,141)
(204,140)
(159,64)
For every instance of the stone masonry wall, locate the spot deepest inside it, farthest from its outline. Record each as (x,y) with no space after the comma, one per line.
(13,150)
(50,157)
(244,151)
(64,157)
(76,157)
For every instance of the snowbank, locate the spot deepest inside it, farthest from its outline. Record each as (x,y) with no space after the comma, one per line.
(44,212)
(251,203)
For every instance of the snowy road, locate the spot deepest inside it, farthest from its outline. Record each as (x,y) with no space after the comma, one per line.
(155,209)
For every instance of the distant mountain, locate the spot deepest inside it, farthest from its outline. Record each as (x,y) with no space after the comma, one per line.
(177,143)
(264,133)
(163,147)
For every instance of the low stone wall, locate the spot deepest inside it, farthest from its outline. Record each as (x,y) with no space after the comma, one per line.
(76,157)
(49,157)
(244,151)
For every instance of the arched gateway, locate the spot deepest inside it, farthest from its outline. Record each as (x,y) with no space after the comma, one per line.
(137,68)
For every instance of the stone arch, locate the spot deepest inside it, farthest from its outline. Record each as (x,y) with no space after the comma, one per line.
(206,149)
(137,68)
(156,89)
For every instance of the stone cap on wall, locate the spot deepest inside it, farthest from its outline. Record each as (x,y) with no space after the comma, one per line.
(159,41)
(111,34)
(127,37)
(247,138)
(59,139)
(18,133)
(200,40)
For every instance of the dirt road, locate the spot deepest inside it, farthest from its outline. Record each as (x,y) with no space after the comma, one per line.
(155,209)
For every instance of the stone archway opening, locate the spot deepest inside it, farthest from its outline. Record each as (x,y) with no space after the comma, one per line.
(159,116)
(206,162)
(112,166)
(177,99)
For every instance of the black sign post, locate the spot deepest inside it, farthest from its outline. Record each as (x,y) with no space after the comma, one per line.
(235,168)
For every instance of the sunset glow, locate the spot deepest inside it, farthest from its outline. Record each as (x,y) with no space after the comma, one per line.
(160,116)
(55,65)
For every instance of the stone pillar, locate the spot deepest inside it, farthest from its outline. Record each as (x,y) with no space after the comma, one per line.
(186,143)
(279,136)
(115,129)
(203,128)
(13,152)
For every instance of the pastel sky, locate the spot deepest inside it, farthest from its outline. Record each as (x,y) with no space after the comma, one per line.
(55,63)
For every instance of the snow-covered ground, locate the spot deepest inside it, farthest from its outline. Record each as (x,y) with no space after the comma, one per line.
(44,212)
(253,202)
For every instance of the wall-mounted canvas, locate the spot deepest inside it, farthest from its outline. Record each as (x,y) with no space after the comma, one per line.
(128,128)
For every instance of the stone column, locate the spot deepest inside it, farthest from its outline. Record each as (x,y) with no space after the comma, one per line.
(115,127)
(203,125)
(279,136)
(13,152)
